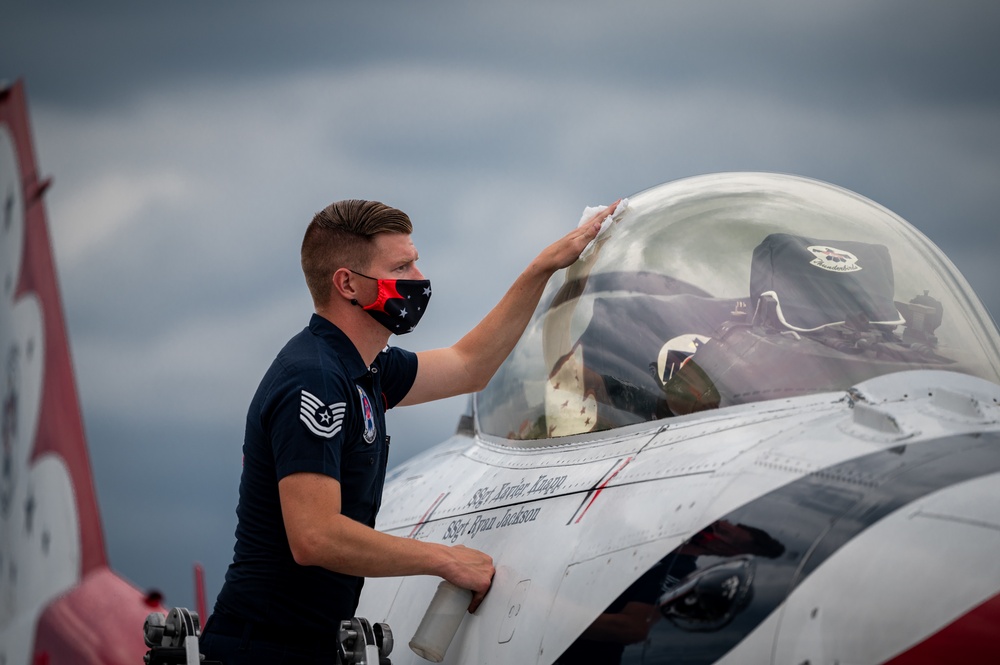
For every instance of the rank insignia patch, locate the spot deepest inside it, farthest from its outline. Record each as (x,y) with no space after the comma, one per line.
(323,420)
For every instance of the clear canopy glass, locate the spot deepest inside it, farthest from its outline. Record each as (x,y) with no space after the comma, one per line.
(732,288)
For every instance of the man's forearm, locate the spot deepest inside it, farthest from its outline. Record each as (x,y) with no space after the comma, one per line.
(468,365)
(349,547)
(488,344)
(352,548)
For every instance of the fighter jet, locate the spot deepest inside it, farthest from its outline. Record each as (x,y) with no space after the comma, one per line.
(757,422)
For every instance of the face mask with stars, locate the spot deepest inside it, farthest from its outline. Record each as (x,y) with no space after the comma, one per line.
(400,303)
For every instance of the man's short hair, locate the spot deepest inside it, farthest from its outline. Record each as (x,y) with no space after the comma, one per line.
(342,235)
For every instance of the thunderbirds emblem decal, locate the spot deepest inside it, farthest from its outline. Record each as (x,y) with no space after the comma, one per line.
(321,419)
(834,260)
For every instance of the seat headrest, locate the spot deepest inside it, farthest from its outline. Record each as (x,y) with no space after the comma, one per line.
(819,283)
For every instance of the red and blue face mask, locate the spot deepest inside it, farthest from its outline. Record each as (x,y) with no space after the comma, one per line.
(400,302)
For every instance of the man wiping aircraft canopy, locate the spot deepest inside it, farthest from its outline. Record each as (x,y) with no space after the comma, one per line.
(316,448)
(733,288)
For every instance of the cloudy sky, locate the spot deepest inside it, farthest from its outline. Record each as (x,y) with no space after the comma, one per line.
(191,142)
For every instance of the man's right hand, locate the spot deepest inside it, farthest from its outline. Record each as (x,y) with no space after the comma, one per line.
(470,569)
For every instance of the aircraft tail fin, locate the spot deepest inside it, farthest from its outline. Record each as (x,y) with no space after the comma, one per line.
(59,601)
(39,353)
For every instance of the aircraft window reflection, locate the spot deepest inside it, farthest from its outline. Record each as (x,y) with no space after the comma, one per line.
(728,289)
(700,587)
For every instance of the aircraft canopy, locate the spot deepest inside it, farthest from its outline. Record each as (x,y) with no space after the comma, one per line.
(732,288)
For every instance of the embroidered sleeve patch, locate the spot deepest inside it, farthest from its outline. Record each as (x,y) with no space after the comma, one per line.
(321,419)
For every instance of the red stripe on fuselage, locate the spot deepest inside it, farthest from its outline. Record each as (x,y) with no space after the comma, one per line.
(972,638)
(600,488)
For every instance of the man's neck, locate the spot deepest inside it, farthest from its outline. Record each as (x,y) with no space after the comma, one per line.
(368,335)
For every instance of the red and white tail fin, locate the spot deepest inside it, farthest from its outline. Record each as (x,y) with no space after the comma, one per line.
(51,542)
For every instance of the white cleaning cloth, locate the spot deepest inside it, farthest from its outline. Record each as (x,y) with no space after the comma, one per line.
(614,217)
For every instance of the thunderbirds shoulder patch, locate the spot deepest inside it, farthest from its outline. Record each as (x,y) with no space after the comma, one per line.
(366,409)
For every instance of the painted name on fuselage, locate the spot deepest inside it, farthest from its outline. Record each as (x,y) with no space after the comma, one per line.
(487,496)
(470,526)
(494,494)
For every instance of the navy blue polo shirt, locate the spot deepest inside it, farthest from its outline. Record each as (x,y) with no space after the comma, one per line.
(318,409)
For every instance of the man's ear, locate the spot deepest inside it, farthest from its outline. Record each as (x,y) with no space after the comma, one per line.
(344,284)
